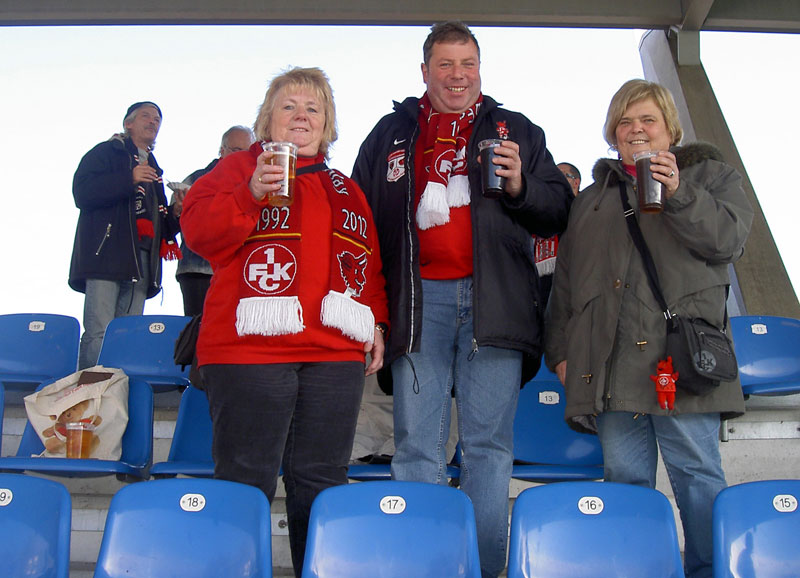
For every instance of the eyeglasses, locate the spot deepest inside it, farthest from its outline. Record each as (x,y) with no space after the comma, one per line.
(571,176)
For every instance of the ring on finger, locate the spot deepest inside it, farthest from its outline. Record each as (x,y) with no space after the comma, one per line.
(671,174)
(260,181)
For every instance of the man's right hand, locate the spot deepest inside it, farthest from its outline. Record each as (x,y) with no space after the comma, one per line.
(144,174)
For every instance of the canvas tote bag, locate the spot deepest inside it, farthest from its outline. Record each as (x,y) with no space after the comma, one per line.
(96,396)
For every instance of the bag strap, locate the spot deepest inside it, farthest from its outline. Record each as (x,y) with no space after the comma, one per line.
(644,250)
(311,169)
(647,257)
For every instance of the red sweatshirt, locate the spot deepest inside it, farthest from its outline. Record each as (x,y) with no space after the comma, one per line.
(219,214)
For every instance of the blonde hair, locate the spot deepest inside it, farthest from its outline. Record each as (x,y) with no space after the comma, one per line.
(634,91)
(294,79)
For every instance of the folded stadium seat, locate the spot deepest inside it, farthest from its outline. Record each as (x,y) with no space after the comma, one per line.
(755,530)
(591,529)
(143,346)
(37,347)
(768,354)
(190,451)
(35,524)
(187,527)
(137,445)
(546,449)
(391,529)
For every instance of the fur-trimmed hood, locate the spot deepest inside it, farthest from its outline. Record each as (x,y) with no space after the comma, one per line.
(686,156)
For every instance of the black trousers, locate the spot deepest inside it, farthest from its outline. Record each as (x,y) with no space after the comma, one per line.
(301,416)
(194,287)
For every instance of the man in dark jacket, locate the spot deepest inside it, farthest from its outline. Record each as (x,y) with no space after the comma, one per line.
(124,228)
(463,290)
(194,273)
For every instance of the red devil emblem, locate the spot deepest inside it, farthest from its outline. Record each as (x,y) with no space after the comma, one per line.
(352,270)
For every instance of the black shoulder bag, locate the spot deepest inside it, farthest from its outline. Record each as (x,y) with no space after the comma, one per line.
(701,353)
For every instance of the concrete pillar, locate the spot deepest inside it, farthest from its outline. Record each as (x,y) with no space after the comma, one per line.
(760,283)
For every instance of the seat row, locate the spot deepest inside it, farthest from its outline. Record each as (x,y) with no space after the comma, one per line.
(38,348)
(203,528)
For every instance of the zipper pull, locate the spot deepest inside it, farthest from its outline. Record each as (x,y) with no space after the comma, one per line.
(474,350)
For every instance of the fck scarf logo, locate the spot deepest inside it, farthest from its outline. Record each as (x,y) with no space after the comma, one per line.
(270,269)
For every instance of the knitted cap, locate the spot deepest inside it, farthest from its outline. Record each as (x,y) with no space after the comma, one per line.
(137,105)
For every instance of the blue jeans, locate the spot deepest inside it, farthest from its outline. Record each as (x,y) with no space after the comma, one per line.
(106,300)
(298,415)
(689,446)
(486,382)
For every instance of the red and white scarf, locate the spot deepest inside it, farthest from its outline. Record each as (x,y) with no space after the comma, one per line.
(445,160)
(168,248)
(270,293)
(544,255)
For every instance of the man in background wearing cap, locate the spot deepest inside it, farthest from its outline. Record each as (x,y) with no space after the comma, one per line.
(124,229)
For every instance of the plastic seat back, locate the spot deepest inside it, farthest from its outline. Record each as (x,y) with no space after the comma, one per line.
(591,529)
(190,451)
(37,347)
(756,530)
(545,448)
(35,523)
(143,346)
(187,527)
(768,354)
(2,409)
(137,445)
(391,530)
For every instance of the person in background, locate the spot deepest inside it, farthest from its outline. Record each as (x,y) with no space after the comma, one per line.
(606,331)
(573,176)
(296,303)
(124,228)
(194,272)
(463,292)
(545,249)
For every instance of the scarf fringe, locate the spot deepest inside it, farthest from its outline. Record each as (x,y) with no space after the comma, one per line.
(353,319)
(269,316)
(433,209)
(458,191)
(546,267)
(170,251)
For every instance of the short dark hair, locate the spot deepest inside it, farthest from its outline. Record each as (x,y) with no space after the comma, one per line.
(451,32)
(572,168)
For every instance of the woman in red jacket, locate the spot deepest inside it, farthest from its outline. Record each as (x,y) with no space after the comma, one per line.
(296,300)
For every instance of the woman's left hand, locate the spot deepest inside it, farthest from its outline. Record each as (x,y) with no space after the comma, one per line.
(375,349)
(665,170)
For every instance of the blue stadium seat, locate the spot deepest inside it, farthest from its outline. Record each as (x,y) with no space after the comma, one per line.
(137,445)
(190,451)
(142,346)
(375,472)
(2,406)
(545,374)
(187,527)
(391,530)
(545,448)
(768,353)
(35,524)
(37,347)
(756,530)
(591,529)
